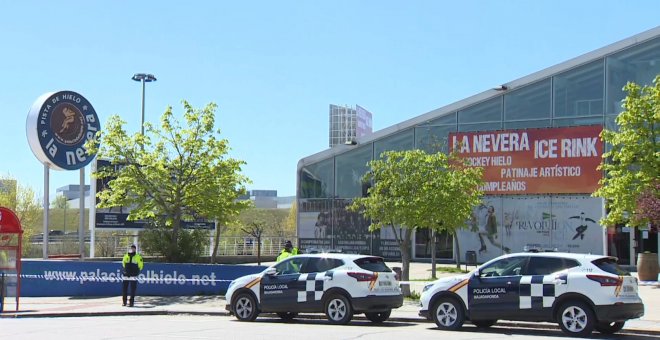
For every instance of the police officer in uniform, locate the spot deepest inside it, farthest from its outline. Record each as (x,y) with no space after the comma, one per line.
(289,250)
(132,264)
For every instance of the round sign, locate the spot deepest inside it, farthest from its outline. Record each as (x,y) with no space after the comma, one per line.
(58,126)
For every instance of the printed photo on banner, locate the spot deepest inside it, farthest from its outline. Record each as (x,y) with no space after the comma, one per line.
(510,224)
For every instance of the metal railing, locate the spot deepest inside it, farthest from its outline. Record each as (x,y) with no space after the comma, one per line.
(248,246)
(116,244)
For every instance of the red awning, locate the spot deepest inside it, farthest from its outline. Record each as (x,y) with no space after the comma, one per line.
(9,223)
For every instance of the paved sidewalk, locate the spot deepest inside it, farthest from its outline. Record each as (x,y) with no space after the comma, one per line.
(31,307)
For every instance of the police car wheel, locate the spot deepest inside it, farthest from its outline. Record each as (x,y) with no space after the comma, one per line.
(448,314)
(245,307)
(576,318)
(338,310)
(287,316)
(483,323)
(378,317)
(609,327)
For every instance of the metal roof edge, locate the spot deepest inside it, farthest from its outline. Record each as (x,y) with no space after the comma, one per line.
(488,94)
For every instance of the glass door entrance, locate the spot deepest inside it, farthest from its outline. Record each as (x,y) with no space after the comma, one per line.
(444,245)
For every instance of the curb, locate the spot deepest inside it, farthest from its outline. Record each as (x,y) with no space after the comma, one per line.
(511,324)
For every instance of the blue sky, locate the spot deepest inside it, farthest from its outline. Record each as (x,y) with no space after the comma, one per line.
(273,67)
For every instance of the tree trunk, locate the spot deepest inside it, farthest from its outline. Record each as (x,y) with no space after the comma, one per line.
(458,251)
(216,237)
(433,259)
(176,224)
(405,260)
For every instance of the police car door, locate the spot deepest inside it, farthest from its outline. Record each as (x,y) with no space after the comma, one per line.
(542,281)
(279,292)
(493,290)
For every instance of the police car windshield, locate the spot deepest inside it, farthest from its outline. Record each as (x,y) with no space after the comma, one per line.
(609,265)
(374,264)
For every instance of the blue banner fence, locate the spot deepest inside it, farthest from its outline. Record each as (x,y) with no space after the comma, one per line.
(81,278)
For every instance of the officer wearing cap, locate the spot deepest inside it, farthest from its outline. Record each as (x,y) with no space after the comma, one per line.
(133,264)
(289,250)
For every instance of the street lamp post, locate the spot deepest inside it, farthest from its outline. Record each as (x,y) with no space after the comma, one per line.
(144,78)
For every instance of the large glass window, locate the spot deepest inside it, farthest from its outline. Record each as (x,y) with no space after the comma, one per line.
(444,244)
(579,92)
(317,180)
(488,111)
(397,142)
(639,64)
(349,169)
(480,127)
(577,121)
(444,120)
(532,101)
(524,124)
(433,138)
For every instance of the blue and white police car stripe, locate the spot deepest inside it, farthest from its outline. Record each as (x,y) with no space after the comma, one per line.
(537,291)
(314,286)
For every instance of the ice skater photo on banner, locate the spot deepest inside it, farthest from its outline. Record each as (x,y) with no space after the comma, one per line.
(509,218)
(486,228)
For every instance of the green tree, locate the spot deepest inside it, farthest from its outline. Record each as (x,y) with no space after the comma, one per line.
(632,165)
(60,202)
(23,201)
(255,229)
(274,221)
(414,189)
(291,223)
(170,174)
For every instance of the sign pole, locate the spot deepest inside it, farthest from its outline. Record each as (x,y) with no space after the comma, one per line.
(44,245)
(92,211)
(81,227)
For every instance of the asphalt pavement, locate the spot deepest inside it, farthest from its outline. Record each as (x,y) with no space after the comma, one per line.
(33,307)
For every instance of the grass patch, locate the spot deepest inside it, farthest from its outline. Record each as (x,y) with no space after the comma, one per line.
(414,296)
(450,270)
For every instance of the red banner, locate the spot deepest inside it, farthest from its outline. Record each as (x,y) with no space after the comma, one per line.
(534,161)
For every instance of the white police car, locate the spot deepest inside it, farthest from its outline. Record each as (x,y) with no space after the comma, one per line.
(580,292)
(338,285)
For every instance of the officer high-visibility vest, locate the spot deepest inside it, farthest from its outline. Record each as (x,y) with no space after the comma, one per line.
(132,264)
(284,254)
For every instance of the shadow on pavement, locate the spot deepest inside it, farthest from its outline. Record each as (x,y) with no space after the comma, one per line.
(547,333)
(323,322)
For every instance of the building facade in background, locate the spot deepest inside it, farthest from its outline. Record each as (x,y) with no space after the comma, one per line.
(537,138)
(347,124)
(268,199)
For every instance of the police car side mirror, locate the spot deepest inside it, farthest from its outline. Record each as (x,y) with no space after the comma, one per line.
(270,271)
(477,274)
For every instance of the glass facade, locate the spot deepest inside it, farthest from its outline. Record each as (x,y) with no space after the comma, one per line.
(400,141)
(589,93)
(433,138)
(527,103)
(579,92)
(638,64)
(343,125)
